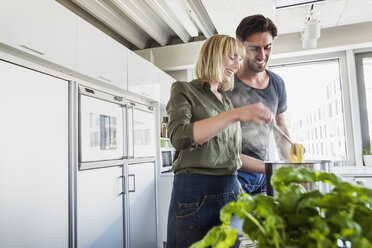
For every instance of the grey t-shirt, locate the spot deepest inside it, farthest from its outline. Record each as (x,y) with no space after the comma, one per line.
(256,137)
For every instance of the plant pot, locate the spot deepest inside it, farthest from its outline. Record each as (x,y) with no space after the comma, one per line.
(367,160)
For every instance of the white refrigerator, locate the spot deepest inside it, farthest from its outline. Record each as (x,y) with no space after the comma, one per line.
(116,140)
(34,200)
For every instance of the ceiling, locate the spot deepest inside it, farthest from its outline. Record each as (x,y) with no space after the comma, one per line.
(153,23)
(226,14)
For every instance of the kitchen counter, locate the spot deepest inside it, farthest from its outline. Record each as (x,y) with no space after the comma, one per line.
(345,171)
(353,171)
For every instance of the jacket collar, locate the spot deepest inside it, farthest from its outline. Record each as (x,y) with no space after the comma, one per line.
(204,85)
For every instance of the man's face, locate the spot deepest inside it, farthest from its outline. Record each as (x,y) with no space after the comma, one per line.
(258,51)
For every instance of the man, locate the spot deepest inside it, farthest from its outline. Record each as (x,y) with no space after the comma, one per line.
(253,83)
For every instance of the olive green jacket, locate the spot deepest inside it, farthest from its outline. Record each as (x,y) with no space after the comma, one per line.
(191,102)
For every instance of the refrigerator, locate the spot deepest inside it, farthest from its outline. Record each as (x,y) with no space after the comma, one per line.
(117,141)
(142,205)
(34,146)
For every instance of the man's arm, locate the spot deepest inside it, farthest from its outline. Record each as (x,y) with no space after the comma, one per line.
(282,144)
(251,164)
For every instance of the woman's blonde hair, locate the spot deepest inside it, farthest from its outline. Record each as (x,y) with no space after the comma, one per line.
(209,65)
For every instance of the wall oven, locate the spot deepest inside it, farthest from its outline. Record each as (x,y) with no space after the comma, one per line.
(101,127)
(112,129)
(141,130)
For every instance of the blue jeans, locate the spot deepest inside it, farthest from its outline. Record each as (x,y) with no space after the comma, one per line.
(195,206)
(252,183)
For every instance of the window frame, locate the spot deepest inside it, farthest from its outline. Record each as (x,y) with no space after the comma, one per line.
(362,96)
(351,113)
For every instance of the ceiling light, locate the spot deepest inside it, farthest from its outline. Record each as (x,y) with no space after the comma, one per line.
(308,43)
(311,30)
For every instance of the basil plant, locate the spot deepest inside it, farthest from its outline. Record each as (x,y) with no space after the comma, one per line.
(295,218)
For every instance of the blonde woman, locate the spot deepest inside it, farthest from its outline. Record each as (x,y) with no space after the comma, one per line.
(205,131)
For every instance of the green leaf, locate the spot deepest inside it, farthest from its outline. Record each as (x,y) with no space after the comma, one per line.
(265,206)
(287,175)
(288,200)
(363,216)
(327,178)
(245,204)
(219,237)
(227,211)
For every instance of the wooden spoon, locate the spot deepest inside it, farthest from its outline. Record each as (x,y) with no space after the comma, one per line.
(286,137)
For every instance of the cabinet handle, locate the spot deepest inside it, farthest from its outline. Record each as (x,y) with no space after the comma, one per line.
(131,183)
(32,50)
(106,79)
(120,185)
(361,182)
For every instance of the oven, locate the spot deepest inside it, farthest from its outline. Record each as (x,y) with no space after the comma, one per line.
(166,155)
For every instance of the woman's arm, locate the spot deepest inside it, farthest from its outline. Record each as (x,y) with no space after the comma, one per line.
(208,128)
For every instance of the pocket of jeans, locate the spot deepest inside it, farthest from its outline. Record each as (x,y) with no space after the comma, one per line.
(190,209)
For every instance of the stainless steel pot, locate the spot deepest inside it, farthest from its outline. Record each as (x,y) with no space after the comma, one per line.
(319,165)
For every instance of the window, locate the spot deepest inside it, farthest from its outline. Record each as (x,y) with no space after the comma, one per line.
(315,87)
(364,76)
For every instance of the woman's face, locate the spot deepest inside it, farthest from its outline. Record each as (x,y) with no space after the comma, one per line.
(231,64)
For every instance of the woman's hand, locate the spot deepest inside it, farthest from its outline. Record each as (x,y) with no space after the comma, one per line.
(256,113)
(210,127)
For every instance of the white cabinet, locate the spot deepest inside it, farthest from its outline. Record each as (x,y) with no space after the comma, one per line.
(100,217)
(143,77)
(40,27)
(101,57)
(166,82)
(142,206)
(34,159)
(364,181)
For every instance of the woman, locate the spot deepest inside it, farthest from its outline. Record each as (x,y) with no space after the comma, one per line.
(204,129)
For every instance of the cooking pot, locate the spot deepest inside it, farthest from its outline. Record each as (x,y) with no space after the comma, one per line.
(319,165)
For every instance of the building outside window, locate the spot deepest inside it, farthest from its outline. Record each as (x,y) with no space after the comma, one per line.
(316,113)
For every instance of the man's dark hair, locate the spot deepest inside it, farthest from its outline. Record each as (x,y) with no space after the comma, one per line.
(255,24)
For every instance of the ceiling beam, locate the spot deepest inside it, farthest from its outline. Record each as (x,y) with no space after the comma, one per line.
(171,12)
(115,21)
(142,15)
(200,16)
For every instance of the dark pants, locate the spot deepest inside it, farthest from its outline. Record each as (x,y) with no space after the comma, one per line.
(252,183)
(195,206)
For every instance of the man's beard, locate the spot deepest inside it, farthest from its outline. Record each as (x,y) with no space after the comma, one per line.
(253,66)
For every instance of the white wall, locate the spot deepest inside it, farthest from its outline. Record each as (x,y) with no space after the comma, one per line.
(183,56)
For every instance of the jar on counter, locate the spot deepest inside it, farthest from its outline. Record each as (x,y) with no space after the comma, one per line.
(164,127)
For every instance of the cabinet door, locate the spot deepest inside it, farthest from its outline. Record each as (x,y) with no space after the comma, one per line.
(166,82)
(143,77)
(40,27)
(34,159)
(142,207)
(364,181)
(100,217)
(101,57)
